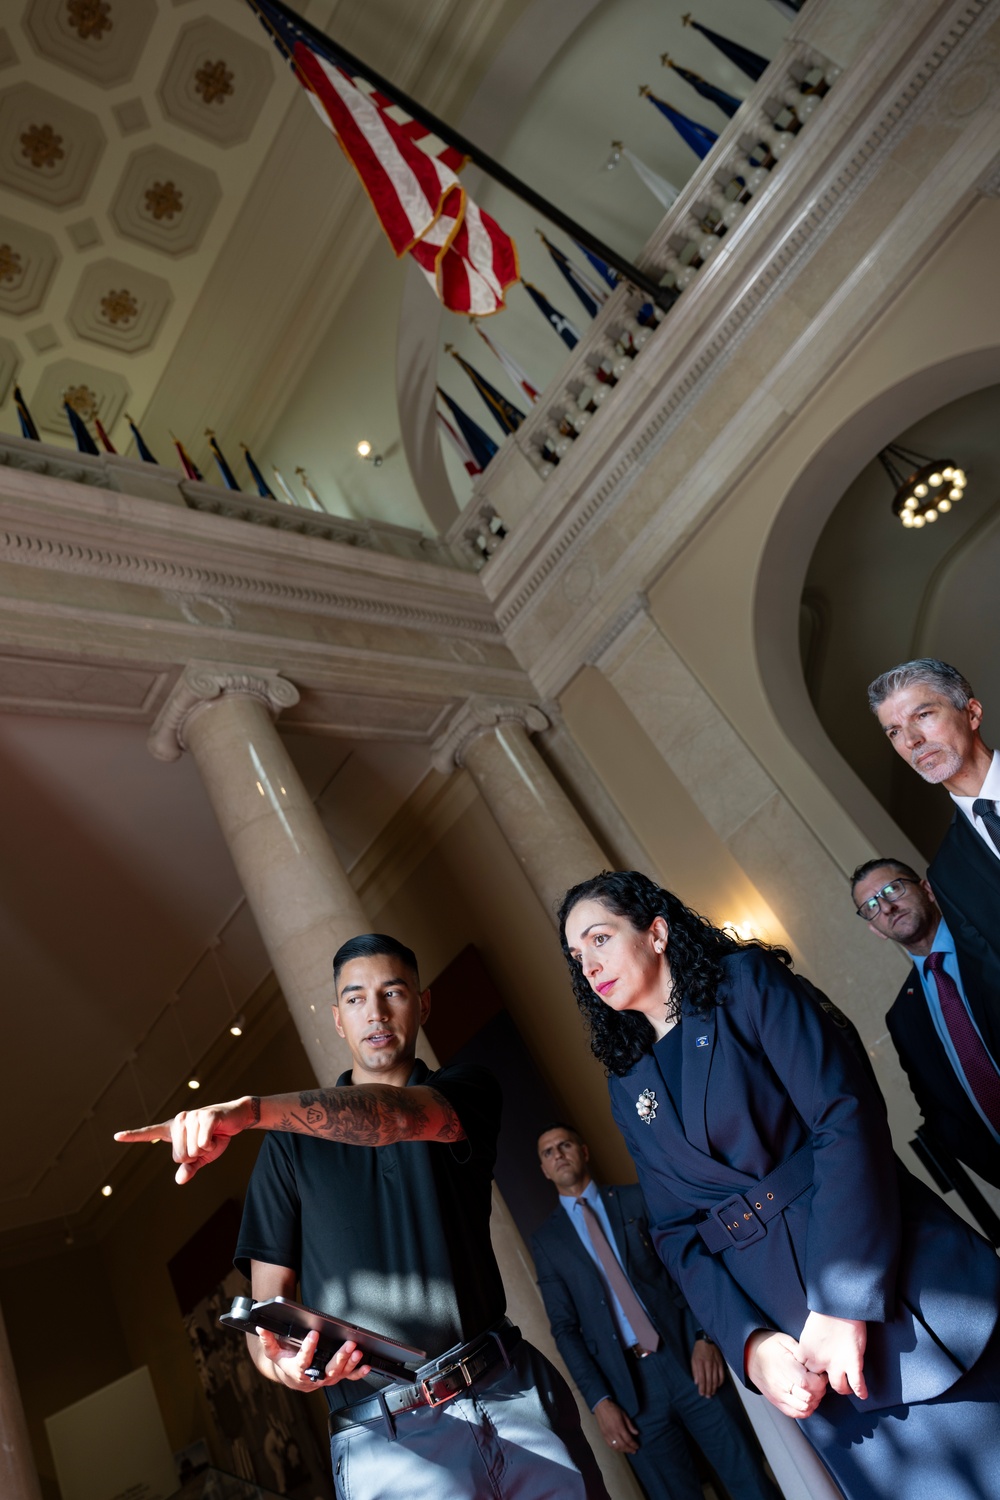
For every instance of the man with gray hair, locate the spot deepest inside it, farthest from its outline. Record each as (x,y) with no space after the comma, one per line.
(932,718)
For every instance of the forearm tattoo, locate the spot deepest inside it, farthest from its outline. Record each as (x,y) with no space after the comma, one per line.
(372,1115)
(254,1111)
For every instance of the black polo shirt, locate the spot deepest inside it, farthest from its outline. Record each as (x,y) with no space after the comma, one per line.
(394,1238)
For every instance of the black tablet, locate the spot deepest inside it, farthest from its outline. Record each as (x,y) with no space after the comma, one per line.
(291,1322)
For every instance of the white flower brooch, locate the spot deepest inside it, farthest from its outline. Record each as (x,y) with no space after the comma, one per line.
(646,1106)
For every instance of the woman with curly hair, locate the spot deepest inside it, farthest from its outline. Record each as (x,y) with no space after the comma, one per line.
(839,1286)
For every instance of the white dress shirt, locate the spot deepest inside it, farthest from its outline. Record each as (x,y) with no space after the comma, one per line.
(990,789)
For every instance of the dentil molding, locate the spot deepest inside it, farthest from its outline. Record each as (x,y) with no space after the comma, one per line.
(205,682)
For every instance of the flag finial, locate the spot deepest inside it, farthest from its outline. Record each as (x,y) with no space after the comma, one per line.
(209,432)
(687,19)
(665,60)
(449,348)
(644,90)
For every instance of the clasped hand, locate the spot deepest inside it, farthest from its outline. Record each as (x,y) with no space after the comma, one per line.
(794,1374)
(197,1136)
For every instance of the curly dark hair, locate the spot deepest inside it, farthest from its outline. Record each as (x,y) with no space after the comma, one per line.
(619,1038)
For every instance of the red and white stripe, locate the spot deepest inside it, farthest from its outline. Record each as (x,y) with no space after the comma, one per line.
(420,203)
(515,374)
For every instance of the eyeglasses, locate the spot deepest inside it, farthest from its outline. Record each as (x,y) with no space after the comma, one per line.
(870,909)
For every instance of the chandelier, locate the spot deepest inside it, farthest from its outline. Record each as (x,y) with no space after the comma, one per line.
(930,490)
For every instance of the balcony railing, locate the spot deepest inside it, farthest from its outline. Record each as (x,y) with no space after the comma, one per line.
(153,481)
(707,214)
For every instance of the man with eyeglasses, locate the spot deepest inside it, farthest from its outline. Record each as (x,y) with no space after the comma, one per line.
(945,1021)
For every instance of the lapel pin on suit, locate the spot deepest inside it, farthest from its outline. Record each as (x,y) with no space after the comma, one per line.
(646,1106)
(701,1041)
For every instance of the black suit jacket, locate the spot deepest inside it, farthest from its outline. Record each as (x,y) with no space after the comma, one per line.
(943,1102)
(965,878)
(582,1321)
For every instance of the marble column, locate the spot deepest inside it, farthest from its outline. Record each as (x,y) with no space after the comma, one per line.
(300,895)
(549,839)
(18,1475)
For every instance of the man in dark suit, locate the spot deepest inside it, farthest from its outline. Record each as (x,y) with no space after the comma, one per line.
(646,1370)
(932,718)
(943,1025)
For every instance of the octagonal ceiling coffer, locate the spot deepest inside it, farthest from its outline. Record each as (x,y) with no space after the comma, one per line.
(28,258)
(119,305)
(165,200)
(99,39)
(49,148)
(215,82)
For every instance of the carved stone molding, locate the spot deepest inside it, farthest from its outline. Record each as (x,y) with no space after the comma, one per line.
(203,683)
(821,215)
(609,635)
(41,551)
(478,716)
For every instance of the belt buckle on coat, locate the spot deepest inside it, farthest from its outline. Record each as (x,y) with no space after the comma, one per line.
(738,1219)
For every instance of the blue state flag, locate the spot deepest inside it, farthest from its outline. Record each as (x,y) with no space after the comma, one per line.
(507,416)
(481,444)
(750,63)
(84,442)
(728,103)
(694,134)
(566,330)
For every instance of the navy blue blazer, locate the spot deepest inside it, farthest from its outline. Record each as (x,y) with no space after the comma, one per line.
(583,1324)
(944,1104)
(764,1075)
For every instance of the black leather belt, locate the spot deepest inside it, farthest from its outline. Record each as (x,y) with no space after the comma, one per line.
(436,1382)
(742,1220)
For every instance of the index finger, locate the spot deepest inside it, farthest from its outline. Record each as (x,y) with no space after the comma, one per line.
(145,1133)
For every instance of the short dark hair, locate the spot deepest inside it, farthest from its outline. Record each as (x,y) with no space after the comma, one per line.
(948,681)
(560,1125)
(373,945)
(878,864)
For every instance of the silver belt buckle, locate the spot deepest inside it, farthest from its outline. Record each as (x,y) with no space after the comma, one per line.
(428,1394)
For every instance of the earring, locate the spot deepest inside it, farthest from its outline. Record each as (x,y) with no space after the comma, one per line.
(658,947)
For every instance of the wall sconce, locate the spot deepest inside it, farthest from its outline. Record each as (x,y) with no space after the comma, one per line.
(933,486)
(365,452)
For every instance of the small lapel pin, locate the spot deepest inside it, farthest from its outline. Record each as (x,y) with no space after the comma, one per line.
(701,1041)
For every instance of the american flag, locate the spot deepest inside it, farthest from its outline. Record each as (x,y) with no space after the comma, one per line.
(408,173)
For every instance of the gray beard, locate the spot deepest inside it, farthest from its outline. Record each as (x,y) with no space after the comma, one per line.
(944,770)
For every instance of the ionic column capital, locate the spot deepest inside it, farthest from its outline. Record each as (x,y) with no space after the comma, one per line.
(478,716)
(205,682)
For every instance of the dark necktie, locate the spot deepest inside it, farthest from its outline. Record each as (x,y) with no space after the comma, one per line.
(987,810)
(619,1283)
(982,1076)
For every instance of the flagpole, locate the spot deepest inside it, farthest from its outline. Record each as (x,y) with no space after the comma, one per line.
(664,296)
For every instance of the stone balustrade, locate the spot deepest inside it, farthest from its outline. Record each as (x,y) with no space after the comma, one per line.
(737,176)
(156,482)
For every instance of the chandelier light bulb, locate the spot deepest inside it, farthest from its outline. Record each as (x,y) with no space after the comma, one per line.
(955,494)
(918,521)
(930,515)
(907,518)
(911,503)
(920,489)
(935,481)
(944,506)
(960,479)
(948,473)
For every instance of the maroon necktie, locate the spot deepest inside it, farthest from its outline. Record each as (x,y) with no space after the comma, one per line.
(619,1283)
(982,1076)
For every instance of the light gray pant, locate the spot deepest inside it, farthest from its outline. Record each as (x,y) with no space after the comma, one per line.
(514,1436)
